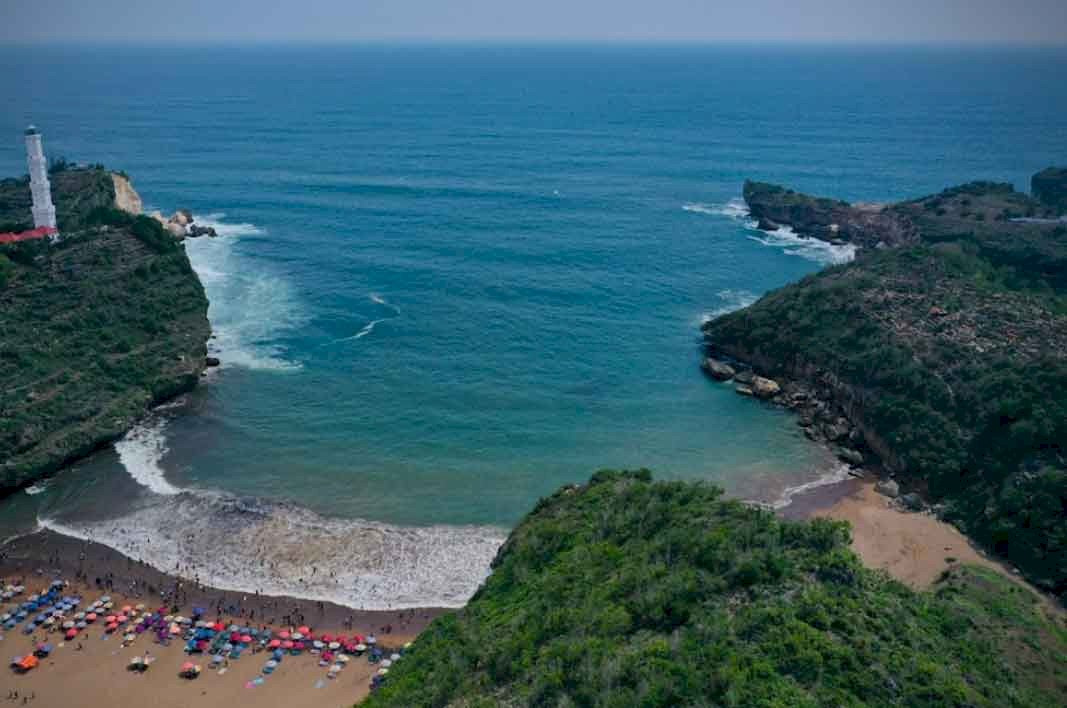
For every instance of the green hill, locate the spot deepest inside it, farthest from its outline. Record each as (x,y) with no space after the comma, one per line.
(627,592)
(949,358)
(93,329)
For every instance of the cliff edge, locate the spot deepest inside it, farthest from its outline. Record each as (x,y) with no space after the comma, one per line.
(94,328)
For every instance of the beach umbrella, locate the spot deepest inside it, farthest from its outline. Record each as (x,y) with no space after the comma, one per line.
(111,628)
(278,654)
(372,640)
(140,608)
(127,609)
(217,659)
(303,630)
(386,663)
(129,636)
(335,645)
(297,636)
(344,658)
(71,633)
(274,643)
(395,657)
(317,644)
(82,624)
(336,667)
(218,626)
(246,638)
(273,663)
(91,617)
(69,624)
(284,634)
(122,618)
(105,598)
(298,646)
(287,644)
(109,619)
(79,616)
(361,648)
(383,672)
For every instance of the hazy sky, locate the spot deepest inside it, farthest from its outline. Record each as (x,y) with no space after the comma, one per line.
(711,20)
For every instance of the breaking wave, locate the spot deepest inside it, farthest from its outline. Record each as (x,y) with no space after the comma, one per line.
(281,549)
(250,306)
(141,450)
(811,248)
(369,327)
(731,300)
(785,238)
(839,473)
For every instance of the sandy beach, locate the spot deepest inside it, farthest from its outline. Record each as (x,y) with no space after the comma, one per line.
(915,548)
(91,670)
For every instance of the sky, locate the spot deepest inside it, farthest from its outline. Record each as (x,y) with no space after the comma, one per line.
(817,21)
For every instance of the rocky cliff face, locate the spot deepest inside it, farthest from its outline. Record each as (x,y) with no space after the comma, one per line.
(866,226)
(947,358)
(126,198)
(93,330)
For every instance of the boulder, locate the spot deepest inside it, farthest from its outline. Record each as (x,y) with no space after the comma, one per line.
(765,388)
(888,487)
(912,502)
(718,370)
(182,217)
(744,377)
(852,457)
(211,361)
(195,231)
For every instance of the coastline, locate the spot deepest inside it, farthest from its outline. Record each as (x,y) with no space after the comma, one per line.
(93,665)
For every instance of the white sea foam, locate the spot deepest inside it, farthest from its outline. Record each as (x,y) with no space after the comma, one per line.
(839,473)
(250,306)
(369,327)
(730,300)
(280,549)
(784,238)
(811,248)
(734,209)
(38,487)
(141,450)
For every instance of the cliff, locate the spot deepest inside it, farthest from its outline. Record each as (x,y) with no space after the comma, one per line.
(629,592)
(95,328)
(944,361)
(867,226)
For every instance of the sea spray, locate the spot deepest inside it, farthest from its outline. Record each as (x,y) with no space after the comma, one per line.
(251,306)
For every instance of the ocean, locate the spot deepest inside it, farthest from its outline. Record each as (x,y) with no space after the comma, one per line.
(450,279)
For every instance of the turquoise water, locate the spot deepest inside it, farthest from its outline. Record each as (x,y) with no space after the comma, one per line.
(452,279)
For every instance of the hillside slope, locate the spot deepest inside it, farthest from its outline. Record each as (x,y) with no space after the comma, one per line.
(950,359)
(628,592)
(93,330)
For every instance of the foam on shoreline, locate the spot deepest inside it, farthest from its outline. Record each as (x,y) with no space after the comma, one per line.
(282,549)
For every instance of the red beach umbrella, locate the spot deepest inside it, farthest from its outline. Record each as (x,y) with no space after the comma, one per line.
(274,643)
(303,630)
(287,644)
(246,638)
(218,626)
(71,633)
(284,634)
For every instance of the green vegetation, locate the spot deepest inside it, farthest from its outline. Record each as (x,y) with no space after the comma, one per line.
(94,329)
(75,191)
(627,592)
(951,356)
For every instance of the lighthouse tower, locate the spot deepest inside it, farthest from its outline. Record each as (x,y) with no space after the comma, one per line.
(44,212)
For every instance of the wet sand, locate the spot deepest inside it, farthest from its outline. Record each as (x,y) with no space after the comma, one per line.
(96,674)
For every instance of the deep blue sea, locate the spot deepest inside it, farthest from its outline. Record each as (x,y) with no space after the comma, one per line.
(452,278)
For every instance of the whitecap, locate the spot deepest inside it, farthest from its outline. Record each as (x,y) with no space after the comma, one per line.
(280,549)
(734,209)
(141,451)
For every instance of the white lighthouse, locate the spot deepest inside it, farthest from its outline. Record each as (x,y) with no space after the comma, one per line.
(44,212)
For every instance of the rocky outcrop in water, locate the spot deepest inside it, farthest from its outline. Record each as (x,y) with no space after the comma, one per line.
(940,358)
(866,226)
